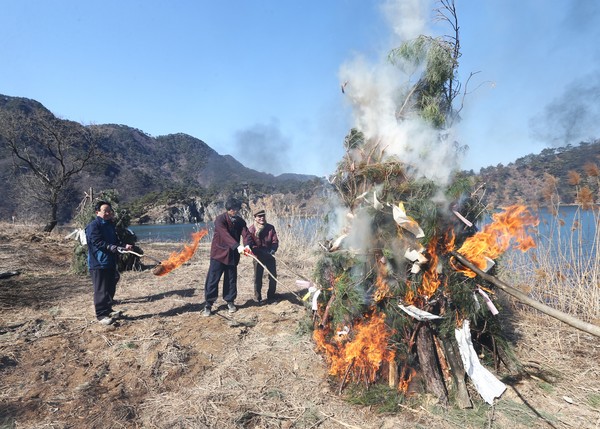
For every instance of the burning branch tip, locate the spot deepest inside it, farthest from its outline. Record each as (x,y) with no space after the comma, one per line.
(158,270)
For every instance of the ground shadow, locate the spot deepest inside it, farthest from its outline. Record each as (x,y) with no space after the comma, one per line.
(183,293)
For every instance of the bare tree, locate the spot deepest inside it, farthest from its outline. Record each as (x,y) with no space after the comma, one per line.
(47,153)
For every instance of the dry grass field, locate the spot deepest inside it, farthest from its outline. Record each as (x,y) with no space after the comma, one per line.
(166,366)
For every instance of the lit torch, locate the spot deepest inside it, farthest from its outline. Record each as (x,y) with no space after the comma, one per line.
(178,259)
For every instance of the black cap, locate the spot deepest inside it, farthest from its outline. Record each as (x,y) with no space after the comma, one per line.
(233,204)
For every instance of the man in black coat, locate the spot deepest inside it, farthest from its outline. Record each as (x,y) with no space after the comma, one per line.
(225,250)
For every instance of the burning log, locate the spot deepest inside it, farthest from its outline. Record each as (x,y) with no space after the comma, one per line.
(520,296)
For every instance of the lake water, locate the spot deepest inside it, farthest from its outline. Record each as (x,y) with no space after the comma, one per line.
(179,233)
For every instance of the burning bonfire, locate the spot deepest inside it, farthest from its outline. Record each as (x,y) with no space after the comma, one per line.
(393,303)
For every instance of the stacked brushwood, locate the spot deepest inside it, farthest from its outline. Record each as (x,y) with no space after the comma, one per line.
(393,253)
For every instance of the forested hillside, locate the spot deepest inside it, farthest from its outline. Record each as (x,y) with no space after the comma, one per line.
(147,171)
(140,167)
(566,175)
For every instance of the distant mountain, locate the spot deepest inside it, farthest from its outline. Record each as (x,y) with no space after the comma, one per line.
(567,175)
(137,164)
(172,169)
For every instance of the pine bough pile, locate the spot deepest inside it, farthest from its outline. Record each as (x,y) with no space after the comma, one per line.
(392,305)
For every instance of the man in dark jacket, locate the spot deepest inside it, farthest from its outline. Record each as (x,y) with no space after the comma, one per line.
(225,251)
(263,242)
(103,246)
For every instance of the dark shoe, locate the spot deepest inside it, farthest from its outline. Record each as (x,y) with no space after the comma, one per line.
(207,311)
(231,307)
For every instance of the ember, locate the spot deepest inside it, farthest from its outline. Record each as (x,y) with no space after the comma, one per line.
(177,259)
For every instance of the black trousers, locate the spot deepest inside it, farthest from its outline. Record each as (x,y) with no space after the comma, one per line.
(105,286)
(217,269)
(269,262)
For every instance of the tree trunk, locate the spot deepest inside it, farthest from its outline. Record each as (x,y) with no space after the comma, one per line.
(429,364)
(50,225)
(53,214)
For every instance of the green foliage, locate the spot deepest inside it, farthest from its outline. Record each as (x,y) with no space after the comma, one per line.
(381,397)
(434,91)
(593,400)
(354,139)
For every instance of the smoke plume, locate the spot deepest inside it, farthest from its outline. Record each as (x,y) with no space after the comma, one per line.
(263,147)
(572,117)
(376,90)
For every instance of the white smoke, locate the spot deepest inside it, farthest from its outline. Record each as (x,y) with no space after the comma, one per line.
(376,91)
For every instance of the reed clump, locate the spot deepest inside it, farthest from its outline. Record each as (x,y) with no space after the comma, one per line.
(563,271)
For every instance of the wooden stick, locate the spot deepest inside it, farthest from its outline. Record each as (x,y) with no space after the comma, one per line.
(269,272)
(520,296)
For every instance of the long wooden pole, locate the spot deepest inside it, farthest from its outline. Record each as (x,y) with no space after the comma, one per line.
(552,312)
(271,274)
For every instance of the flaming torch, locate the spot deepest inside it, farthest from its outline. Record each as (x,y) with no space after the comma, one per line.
(177,259)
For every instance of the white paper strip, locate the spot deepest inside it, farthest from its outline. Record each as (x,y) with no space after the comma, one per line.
(338,242)
(461,217)
(315,305)
(417,313)
(489,263)
(488,301)
(488,386)
(414,256)
(376,204)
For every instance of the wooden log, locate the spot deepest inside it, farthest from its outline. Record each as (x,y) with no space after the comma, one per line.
(457,370)
(393,374)
(520,296)
(429,364)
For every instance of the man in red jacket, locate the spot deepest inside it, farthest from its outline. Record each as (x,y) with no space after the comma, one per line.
(263,242)
(225,253)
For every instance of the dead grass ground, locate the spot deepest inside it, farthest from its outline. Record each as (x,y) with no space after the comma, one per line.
(166,366)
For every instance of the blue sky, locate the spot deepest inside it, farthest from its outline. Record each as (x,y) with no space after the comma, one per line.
(261,80)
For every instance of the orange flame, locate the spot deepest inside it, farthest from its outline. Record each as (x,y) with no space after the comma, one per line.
(406,377)
(409,297)
(360,357)
(497,236)
(431,277)
(178,259)
(382,289)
